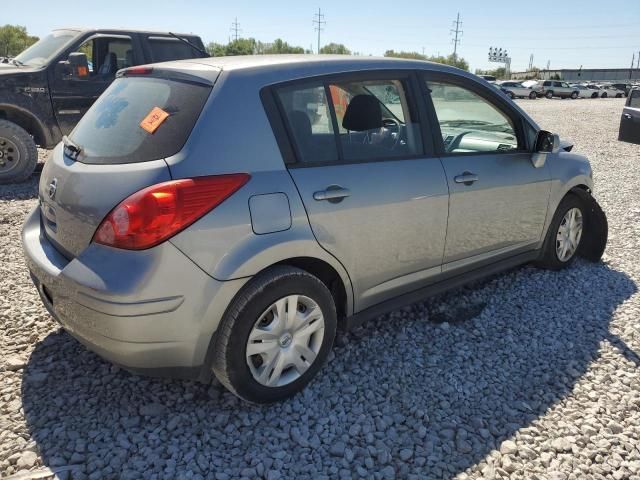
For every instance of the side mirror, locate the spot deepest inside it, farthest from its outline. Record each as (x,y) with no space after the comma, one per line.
(546,142)
(76,67)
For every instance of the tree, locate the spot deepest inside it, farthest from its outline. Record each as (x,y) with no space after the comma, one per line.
(216,49)
(276,47)
(241,46)
(500,73)
(14,39)
(455,61)
(335,48)
(410,55)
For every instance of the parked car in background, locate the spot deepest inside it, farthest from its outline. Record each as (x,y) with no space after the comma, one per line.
(609,91)
(517,90)
(623,87)
(557,88)
(630,120)
(488,78)
(596,87)
(45,90)
(199,221)
(585,91)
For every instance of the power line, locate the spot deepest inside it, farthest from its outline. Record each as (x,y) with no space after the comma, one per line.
(458,33)
(235,29)
(318,22)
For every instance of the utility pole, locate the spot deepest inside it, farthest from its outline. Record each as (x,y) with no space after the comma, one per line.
(235,28)
(633,61)
(457,33)
(318,21)
(530,62)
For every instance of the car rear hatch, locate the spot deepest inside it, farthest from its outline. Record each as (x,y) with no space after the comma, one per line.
(119,147)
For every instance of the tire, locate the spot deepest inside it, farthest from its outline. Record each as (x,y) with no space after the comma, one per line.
(594,95)
(533,95)
(604,95)
(574,95)
(549,94)
(618,95)
(512,96)
(549,258)
(18,153)
(253,304)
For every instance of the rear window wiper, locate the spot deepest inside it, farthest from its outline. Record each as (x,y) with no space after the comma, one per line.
(196,48)
(71,150)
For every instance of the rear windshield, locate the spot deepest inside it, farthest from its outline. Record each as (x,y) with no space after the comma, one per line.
(167,49)
(116,129)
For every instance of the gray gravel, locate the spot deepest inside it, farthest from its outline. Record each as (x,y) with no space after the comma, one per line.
(531,374)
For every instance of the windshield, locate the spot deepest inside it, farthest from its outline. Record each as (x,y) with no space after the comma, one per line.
(43,50)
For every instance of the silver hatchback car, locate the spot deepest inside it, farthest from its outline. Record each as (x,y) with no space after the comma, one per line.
(227,215)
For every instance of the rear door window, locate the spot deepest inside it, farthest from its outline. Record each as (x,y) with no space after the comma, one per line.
(111,130)
(351,121)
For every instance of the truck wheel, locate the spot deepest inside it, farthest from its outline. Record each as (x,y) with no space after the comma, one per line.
(18,153)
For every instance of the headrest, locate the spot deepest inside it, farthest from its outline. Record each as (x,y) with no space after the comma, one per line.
(363,113)
(300,124)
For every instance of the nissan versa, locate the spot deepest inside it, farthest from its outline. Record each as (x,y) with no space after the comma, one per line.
(227,215)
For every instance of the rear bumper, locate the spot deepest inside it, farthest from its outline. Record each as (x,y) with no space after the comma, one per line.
(151,311)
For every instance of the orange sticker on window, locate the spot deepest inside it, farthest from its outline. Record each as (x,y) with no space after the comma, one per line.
(155,118)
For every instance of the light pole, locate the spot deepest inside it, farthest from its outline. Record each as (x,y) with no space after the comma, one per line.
(498,55)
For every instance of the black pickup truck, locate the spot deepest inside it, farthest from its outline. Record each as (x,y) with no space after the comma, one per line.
(45,90)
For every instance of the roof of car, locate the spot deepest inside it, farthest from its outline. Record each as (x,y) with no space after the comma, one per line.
(123,31)
(340,62)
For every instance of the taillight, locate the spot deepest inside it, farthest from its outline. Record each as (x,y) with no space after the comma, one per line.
(138,71)
(156,213)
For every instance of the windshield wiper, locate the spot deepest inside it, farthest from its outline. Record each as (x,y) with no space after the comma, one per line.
(17,63)
(184,40)
(71,150)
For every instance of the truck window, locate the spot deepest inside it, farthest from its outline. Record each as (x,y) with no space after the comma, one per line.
(107,55)
(164,49)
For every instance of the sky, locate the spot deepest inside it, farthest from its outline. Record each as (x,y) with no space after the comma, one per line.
(567,34)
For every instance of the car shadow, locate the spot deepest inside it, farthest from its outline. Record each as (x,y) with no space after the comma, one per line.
(453,393)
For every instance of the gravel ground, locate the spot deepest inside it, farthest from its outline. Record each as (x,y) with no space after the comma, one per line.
(529,375)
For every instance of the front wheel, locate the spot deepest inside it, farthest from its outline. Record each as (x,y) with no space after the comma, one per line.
(18,153)
(549,94)
(574,95)
(275,335)
(604,95)
(564,235)
(533,95)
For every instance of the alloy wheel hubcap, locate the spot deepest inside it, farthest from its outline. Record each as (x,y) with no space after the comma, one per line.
(9,155)
(285,340)
(569,234)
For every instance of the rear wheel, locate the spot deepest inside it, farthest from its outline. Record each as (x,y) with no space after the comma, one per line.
(549,94)
(275,336)
(18,153)
(604,95)
(564,235)
(574,95)
(533,95)
(618,95)
(594,95)
(512,96)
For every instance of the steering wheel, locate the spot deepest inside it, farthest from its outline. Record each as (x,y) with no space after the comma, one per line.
(393,126)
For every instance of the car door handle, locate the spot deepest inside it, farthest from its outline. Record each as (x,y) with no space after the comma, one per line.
(627,116)
(467,178)
(333,194)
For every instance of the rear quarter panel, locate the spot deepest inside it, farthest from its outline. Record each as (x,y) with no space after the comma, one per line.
(233,135)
